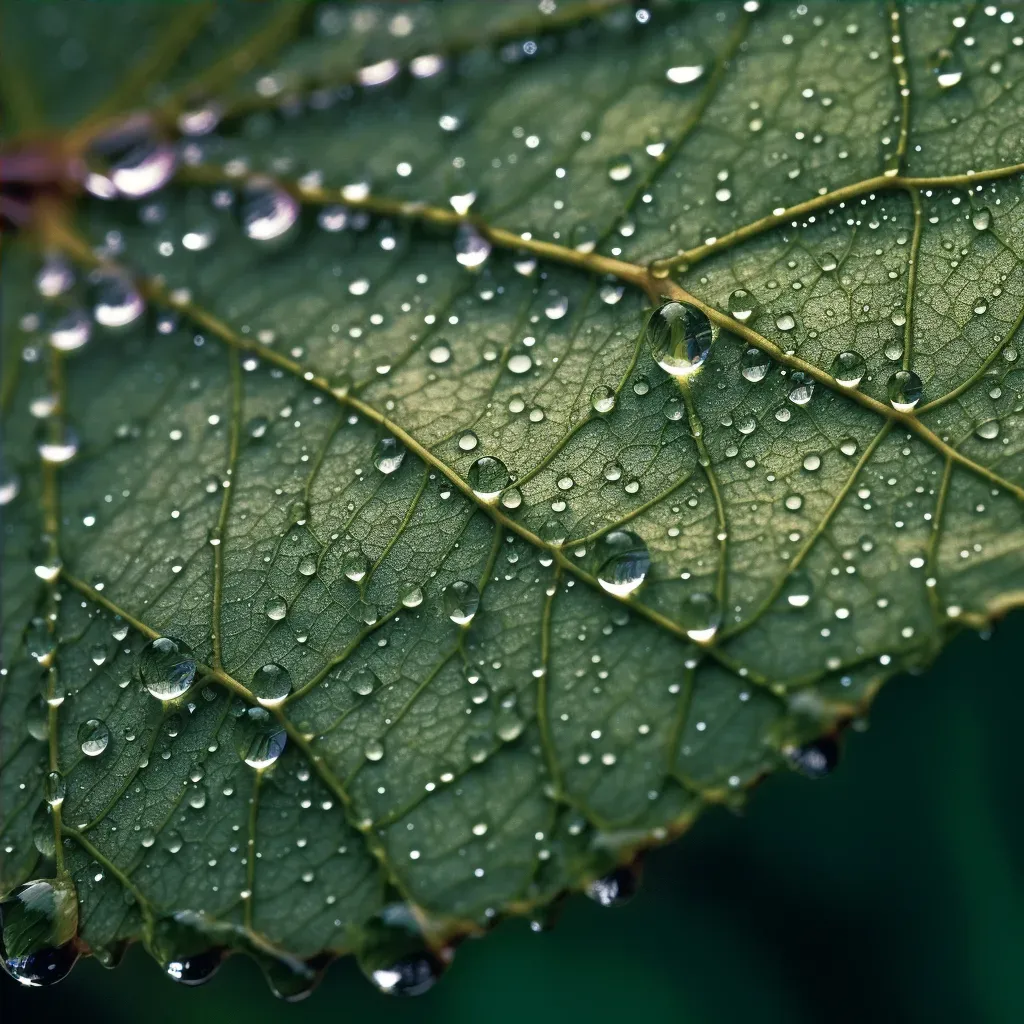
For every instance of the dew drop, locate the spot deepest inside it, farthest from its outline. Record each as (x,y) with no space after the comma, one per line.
(468,441)
(981,219)
(679,336)
(815,759)
(363,683)
(93,737)
(54,789)
(849,368)
(271,684)
(801,387)
(620,168)
(276,608)
(785,322)
(988,431)
(471,248)
(267,211)
(520,363)
(394,955)
(798,590)
(611,293)
(602,399)
(374,750)
(905,390)
(439,354)
(116,301)
(557,306)
(388,455)
(71,330)
(460,601)
(701,616)
(488,477)
(623,562)
(683,74)
(615,888)
(140,163)
(828,262)
(755,365)
(742,305)
(412,598)
(167,667)
(355,566)
(261,738)
(38,924)
(948,71)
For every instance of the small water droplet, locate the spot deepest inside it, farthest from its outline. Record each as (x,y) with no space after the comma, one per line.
(785,322)
(798,589)
(683,74)
(742,306)
(412,598)
(116,301)
(801,387)
(261,738)
(471,247)
(275,608)
(394,955)
(611,293)
(948,71)
(701,616)
(815,759)
(468,441)
(988,431)
(620,168)
(54,789)
(70,330)
(520,363)
(167,667)
(981,219)
(617,887)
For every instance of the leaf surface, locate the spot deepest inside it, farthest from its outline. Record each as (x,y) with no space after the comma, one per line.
(277,462)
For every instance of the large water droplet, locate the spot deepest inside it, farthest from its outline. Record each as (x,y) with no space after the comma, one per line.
(684,73)
(276,608)
(56,451)
(167,667)
(267,211)
(620,168)
(623,562)
(948,70)
(70,330)
(849,368)
(488,477)
(981,219)
(271,684)
(260,739)
(54,788)
(798,589)
(904,390)
(38,924)
(388,455)
(988,431)
(143,168)
(460,601)
(93,737)
(394,955)
(680,337)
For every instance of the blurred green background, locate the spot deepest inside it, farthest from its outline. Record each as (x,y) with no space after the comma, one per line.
(890,891)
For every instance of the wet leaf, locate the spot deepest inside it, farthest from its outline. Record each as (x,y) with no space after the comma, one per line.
(447,447)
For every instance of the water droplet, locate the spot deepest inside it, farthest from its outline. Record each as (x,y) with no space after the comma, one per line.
(948,71)
(815,759)
(471,248)
(849,368)
(394,955)
(786,322)
(93,737)
(307,565)
(742,305)
(468,441)
(812,463)
(412,598)
(623,562)
(10,488)
(167,667)
(116,301)
(981,219)
(557,306)
(520,363)
(828,262)
(512,498)
(60,450)
(755,365)
(488,477)
(701,616)
(617,887)
(271,684)
(798,590)
(355,566)
(801,387)
(38,924)
(988,431)
(261,738)
(684,73)
(70,330)
(388,455)
(680,337)
(602,398)
(54,789)
(440,354)
(980,305)
(363,683)
(620,168)
(904,390)
(139,162)
(374,750)
(461,601)
(611,293)
(267,211)
(276,608)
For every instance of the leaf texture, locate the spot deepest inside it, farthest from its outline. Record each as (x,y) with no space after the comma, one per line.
(277,460)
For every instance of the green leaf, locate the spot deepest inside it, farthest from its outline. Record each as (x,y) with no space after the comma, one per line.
(467,599)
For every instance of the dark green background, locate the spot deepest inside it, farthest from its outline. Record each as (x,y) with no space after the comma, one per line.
(890,891)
